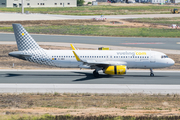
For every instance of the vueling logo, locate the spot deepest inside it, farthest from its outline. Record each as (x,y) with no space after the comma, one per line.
(140,53)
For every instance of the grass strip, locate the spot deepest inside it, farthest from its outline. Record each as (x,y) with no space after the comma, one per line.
(98,10)
(99,30)
(168,21)
(87,100)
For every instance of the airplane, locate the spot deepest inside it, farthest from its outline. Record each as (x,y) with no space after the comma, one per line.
(111,62)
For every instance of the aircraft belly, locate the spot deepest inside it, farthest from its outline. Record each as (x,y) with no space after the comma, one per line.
(62,63)
(66,64)
(143,64)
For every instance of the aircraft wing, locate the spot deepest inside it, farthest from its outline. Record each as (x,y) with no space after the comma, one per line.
(103,64)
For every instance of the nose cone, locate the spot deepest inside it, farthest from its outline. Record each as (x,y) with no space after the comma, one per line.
(171,62)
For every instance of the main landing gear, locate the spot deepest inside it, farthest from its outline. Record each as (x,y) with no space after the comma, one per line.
(95,73)
(151,74)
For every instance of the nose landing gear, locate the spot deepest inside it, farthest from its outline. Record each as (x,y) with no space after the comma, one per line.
(151,74)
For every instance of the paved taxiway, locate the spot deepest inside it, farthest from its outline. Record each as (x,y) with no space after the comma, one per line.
(158,43)
(37,16)
(83,82)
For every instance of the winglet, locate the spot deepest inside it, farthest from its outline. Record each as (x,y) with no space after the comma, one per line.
(76,56)
(73,47)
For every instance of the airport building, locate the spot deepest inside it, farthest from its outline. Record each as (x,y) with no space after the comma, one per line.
(156,1)
(38,3)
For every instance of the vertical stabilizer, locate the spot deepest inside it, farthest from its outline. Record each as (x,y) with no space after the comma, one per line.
(23,39)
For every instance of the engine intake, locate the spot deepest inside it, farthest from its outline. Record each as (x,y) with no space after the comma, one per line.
(115,70)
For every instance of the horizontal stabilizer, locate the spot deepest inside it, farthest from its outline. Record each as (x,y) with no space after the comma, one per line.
(19,54)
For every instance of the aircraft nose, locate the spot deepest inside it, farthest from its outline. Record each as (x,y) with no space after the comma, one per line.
(171,62)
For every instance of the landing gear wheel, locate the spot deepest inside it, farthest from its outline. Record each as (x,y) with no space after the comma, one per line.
(152,74)
(96,74)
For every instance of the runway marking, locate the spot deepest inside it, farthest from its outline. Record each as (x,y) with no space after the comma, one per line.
(178,43)
(88,88)
(141,43)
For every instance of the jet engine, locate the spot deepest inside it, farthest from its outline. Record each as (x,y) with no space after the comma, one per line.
(115,70)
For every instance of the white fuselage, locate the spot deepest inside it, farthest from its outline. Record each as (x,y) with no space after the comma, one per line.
(132,59)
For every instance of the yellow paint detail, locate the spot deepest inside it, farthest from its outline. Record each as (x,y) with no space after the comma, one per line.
(110,70)
(121,69)
(103,48)
(73,48)
(116,70)
(22,34)
(77,58)
(140,53)
(52,58)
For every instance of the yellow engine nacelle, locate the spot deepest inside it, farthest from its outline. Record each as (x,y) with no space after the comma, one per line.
(115,70)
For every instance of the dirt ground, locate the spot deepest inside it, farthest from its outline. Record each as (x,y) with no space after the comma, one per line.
(110,22)
(91,112)
(6,62)
(90,104)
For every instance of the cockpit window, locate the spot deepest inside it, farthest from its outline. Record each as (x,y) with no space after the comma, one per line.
(164,56)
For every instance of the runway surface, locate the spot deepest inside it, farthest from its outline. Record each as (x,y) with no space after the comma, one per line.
(86,77)
(158,43)
(83,82)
